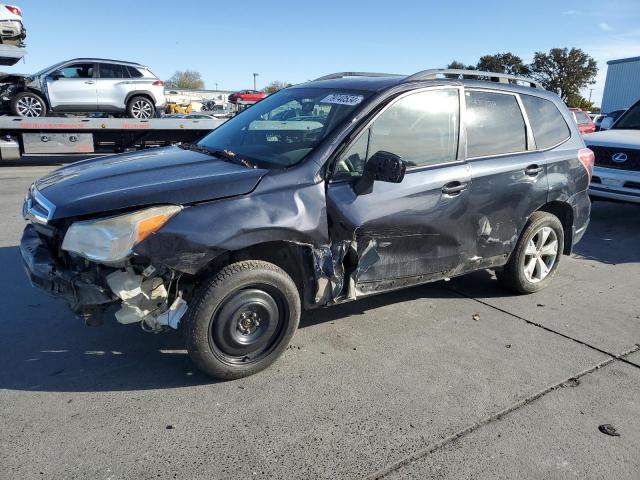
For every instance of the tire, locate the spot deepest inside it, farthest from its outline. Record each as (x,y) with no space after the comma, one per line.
(534,249)
(140,107)
(28,104)
(242,319)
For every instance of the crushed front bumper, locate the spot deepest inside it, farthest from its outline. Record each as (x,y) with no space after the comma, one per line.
(47,274)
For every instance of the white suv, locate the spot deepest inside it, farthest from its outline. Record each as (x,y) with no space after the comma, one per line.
(86,85)
(616,175)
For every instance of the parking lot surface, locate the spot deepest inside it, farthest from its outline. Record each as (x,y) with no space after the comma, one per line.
(457,379)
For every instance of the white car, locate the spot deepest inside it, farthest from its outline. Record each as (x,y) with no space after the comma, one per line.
(12,31)
(616,174)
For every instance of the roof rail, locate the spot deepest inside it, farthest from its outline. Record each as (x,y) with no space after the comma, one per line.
(436,73)
(332,76)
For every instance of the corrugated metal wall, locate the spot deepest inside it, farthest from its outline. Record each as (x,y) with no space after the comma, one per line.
(622,87)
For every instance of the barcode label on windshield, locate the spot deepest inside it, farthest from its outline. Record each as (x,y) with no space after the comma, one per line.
(342,99)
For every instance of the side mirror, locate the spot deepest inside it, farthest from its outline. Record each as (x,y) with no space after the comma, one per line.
(55,76)
(607,123)
(383,167)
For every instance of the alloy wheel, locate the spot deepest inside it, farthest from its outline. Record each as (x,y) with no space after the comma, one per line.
(141,109)
(540,255)
(29,107)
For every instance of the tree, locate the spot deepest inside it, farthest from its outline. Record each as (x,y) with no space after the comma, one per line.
(503,63)
(564,71)
(578,101)
(274,86)
(188,79)
(460,66)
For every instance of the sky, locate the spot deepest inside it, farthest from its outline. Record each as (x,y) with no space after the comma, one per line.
(296,41)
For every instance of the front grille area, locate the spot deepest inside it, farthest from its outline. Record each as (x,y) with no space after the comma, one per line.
(604,158)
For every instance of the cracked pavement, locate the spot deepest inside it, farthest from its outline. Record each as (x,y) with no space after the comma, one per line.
(401,385)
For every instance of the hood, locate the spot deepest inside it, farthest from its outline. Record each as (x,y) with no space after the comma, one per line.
(614,138)
(168,175)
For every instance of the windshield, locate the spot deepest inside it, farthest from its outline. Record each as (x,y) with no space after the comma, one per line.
(283,128)
(50,67)
(630,120)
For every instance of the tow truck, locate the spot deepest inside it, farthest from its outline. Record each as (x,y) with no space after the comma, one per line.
(78,135)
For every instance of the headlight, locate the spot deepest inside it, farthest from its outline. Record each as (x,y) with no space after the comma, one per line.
(110,240)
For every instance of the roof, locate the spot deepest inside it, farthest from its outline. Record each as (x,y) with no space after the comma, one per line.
(109,60)
(375,82)
(624,60)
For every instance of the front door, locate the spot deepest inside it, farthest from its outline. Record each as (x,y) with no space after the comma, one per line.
(412,231)
(73,88)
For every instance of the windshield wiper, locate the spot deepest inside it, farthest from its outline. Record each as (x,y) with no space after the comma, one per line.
(224,154)
(232,157)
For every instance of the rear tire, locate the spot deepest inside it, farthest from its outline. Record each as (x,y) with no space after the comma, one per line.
(28,104)
(242,319)
(140,107)
(535,260)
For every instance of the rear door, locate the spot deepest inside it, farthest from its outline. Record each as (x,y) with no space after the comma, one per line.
(509,177)
(112,83)
(407,232)
(73,88)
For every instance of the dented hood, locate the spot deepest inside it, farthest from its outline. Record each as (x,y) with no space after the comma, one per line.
(168,175)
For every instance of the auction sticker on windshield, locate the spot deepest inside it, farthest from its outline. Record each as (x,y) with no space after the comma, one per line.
(342,99)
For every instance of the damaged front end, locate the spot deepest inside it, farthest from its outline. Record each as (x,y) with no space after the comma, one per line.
(91,265)
(143,293)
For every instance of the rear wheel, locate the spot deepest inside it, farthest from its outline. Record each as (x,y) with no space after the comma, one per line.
(536,257)
(28,104)
(242,319)
(140,107)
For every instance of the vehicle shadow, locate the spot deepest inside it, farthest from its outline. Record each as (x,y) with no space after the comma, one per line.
(612,236)
(44,348)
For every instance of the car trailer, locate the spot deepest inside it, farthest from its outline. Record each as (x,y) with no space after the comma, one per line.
(78,135)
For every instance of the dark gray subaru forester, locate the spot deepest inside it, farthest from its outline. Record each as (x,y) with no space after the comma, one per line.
(323,193)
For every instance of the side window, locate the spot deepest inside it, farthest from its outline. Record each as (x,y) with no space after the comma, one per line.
(77,70)
(494,124)
(548,125)
(112,70)
(133,72)
(421,128)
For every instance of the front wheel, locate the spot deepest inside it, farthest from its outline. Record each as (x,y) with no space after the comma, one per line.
(140,107)
(242,319)
(535,260)
(28,104)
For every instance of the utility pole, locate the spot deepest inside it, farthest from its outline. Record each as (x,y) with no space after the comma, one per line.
(254,80)
(590,92)
(216,86)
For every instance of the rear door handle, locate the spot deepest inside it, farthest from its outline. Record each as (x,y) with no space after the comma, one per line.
(89,82)
(454,188)
(533,170)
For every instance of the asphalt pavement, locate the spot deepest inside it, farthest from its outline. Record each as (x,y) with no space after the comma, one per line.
(456,379)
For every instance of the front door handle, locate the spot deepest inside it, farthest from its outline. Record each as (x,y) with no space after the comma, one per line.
(533,170)
(454,188)
(89,82)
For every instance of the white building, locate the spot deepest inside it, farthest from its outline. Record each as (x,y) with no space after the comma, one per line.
(622,87)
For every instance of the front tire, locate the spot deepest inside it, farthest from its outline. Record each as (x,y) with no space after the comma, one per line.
(242,319)
(28,104)
(140,107)
(535,260)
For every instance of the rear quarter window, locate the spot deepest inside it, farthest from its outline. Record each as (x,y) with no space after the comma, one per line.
(548,124)
(494,124)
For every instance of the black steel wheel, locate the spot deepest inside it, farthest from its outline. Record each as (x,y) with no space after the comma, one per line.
(242,319)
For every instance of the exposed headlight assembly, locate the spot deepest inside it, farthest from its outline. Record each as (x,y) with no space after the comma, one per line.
(110,240)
